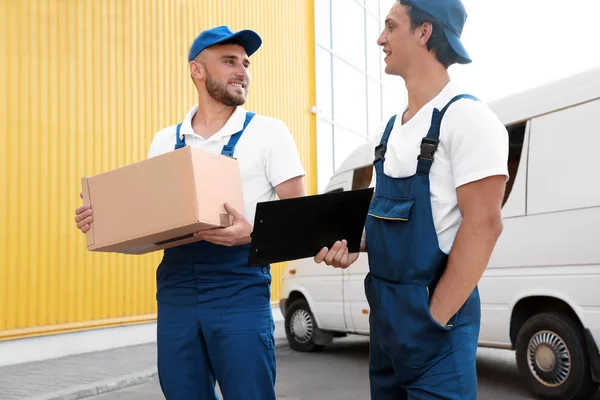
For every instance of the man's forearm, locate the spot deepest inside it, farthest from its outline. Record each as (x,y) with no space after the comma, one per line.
(468,259)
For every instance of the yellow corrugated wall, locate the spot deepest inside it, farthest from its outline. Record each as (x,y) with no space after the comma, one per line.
(84,85)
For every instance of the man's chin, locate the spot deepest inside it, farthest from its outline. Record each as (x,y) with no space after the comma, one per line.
(236,101)
(237,97)
(232,100)
(239,100)
(390,70)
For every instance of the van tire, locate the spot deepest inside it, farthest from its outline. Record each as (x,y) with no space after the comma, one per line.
(299,315)
(562,334)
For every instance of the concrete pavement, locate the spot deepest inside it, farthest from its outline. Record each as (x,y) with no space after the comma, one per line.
(341,372)
(338,372)
(84,375)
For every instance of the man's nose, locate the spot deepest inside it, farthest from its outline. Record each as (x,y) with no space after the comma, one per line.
(382,39)
(242,72)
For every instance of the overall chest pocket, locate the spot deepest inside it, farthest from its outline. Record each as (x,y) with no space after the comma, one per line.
(389,235)
(389,209)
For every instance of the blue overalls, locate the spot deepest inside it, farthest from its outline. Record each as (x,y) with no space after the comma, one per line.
(411,355)
(214,320)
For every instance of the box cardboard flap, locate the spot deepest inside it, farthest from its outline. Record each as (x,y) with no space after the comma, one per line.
(212,190)
(85,190)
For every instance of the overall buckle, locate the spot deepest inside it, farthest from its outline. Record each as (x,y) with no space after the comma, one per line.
(227,151)
(428,148)
(380,152)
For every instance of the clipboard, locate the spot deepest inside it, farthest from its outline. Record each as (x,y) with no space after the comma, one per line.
(291,229)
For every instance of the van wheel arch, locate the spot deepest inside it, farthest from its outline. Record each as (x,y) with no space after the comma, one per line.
(529,306)
(296,295)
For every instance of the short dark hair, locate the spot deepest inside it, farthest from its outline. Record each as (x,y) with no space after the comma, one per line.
(437,42)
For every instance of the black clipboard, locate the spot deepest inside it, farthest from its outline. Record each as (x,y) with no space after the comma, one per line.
(291,229)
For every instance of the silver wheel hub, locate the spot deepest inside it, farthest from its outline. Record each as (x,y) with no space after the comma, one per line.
(301,326)
(549,359)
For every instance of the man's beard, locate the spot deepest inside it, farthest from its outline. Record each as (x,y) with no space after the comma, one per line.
(218,91)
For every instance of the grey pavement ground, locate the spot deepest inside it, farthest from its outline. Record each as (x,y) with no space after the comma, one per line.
(85,375)
(339,372)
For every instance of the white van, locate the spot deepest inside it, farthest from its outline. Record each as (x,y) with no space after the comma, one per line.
(540,294)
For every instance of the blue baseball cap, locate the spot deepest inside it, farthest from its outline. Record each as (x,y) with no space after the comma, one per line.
(249,39)
(452,15)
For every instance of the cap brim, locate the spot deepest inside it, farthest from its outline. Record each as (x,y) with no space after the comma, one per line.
(457,46)
(250,40)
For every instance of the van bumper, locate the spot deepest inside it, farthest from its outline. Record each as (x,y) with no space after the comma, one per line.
(282,302)
(593,354)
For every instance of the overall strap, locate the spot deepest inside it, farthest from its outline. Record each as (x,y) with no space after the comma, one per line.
(382,147)
(430,143)
(180,140)
(229,148)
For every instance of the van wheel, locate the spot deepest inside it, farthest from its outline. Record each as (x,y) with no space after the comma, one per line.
(300,327)
(551,355)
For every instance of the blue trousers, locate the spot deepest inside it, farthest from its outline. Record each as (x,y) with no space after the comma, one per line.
(214,324)
(197,346)
(413,358)
(450,376)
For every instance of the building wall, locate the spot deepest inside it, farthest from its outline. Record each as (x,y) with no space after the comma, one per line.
(354,94)
(84,85)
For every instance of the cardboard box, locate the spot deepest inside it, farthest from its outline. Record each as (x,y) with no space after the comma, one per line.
(160,202)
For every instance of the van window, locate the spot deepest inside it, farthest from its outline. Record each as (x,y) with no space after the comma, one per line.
(516,137)
(362,177)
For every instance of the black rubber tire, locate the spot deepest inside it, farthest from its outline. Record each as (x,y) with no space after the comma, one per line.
(579,384)
(306,347)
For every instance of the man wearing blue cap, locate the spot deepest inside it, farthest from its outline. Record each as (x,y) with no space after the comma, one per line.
(214,314)
(441,169)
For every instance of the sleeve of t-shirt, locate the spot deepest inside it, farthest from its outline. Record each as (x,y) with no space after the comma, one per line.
(153,150)
(476,141)
(283,160)
(161,142)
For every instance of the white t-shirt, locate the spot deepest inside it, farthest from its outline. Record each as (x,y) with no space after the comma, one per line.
(473,145)
(266,152)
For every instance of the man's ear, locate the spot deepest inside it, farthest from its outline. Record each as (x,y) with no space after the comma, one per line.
(196,71)
(424,32)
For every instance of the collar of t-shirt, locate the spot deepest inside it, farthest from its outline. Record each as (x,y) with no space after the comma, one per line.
(443,97)
(233,125)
